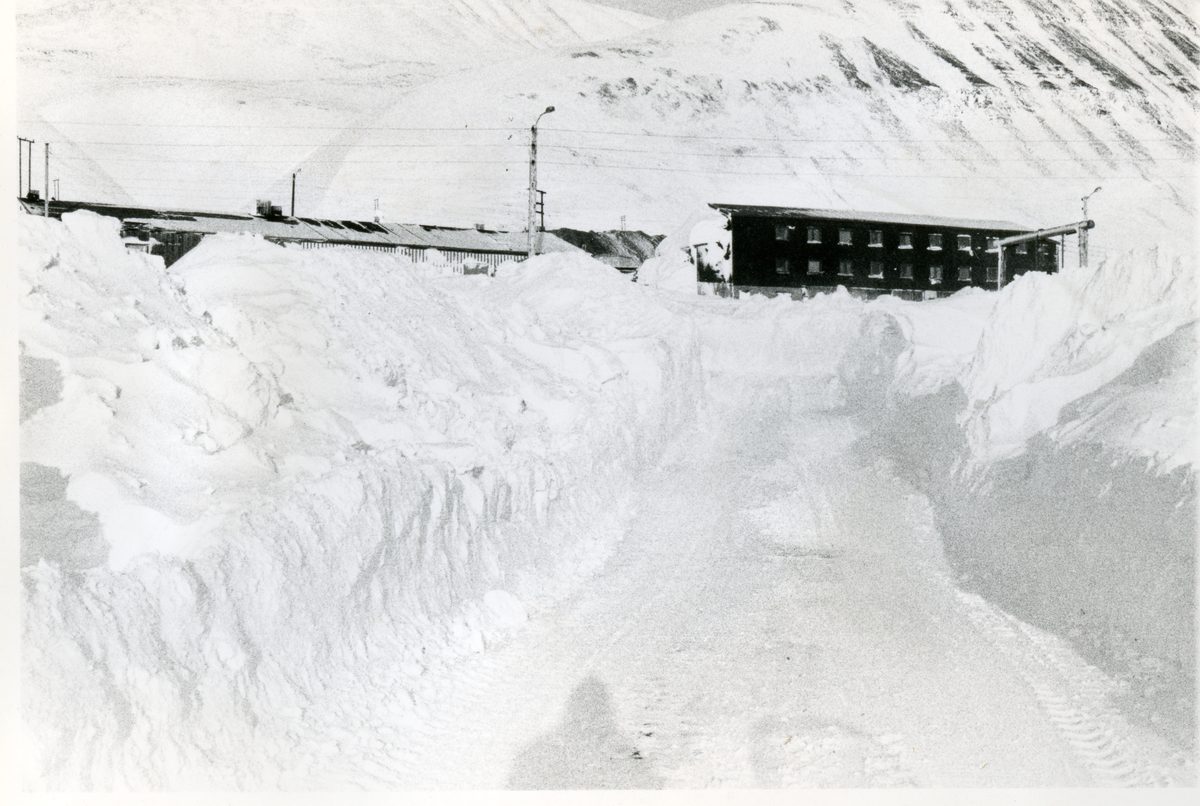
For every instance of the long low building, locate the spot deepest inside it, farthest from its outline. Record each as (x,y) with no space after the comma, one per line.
(172,233)
(798,250)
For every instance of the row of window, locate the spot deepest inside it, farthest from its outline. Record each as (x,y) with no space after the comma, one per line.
(875,269)
(786,232)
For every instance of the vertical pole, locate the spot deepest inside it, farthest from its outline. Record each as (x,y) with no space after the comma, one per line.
(20,164)
(1082,232)
(293,194)
(46,202)
(999,267)
(1062,251)
(532,184)
(56,193)
(29,168)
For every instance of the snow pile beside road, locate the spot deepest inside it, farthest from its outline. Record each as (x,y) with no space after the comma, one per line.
(1053,339)
(1023,356)
(1052,427)
(264,491)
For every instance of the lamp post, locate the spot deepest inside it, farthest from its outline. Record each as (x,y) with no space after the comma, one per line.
(1083,235)
(533,181)
(294,191)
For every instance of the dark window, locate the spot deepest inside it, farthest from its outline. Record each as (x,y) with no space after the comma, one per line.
(964,274)
(935,274)
(935,240)
(906,271)
(814,235)
(993,274)
(814,267)
(876,269)
(781,265)
(993,244)
(906,240)
(846,268)
(875,238)
(333,224)
(964,243)
(783,232)
(1023,248)
(844,237)
(354,225)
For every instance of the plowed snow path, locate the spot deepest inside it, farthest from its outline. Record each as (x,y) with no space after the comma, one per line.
(778,614)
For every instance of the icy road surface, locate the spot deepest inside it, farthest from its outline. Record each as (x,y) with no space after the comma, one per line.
(778,614)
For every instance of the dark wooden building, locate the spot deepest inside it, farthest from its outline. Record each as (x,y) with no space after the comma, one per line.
(798,249)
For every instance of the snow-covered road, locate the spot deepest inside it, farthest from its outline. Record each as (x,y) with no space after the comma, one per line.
(778,614)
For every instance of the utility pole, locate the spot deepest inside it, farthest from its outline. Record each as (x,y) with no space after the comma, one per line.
(23,166)
(1083,236)
(533,182)
(294,192)
(46,201)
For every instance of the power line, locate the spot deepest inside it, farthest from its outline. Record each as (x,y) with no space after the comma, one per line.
(338,128)
(345,128)
(141,144)
(208,160)
(579,151)
(824,173)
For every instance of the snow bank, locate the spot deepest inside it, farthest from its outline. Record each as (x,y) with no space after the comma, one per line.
(278,484)
(1053,339)
(1024,356)
(1052,426)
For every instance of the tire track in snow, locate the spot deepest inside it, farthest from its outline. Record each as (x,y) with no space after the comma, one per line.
(1073,695)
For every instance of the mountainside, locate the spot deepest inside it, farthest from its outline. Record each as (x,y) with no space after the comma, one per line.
(126,91)
(299,39)
(999,110)
(1004,109)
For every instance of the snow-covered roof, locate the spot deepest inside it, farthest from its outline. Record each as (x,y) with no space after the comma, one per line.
(859,215)
(359,232)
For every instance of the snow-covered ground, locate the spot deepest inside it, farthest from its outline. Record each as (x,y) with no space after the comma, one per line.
(311,518)
(328,519)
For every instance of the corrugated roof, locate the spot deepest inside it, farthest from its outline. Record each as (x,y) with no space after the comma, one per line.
(418,236)
(858,215)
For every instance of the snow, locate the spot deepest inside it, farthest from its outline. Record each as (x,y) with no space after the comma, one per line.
(314,478)
(301,440)
(330,519)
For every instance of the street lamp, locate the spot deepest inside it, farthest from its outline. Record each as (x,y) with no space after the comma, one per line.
(1083,233)
(533,180)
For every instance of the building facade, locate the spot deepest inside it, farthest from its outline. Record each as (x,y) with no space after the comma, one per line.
(802,249)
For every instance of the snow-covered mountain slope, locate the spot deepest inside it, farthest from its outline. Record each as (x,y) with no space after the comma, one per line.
(107,82)
(1006,109)
(299,39)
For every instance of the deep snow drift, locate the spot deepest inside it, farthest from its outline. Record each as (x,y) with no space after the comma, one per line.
(269,494)
(279,466)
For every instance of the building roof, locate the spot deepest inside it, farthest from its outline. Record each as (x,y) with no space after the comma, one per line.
(300,228)
(858,215)
(417,236)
